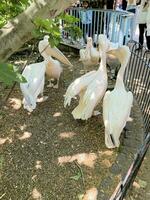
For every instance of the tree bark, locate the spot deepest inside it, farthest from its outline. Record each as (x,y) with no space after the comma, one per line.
(19,30)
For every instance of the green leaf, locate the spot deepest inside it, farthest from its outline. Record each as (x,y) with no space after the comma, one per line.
(20,78)
(48,27)
(76,177)
(8,74)
(51,27)
(69,19)
(12,8)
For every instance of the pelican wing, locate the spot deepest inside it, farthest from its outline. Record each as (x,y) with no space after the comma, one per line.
(92,96)
(116,111)
(34,75)
(77,112)
(77,86)
(55,52)
(84,54)
(96,89)
(116,107)
(106,107)
(29,101)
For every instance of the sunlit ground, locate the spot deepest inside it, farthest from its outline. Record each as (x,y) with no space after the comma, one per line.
(49,155)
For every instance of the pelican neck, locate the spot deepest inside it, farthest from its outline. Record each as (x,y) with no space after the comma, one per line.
(102,66)
(120,75)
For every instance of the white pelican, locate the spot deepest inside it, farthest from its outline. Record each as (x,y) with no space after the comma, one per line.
(90,87)
(35,76)
(90,55)
(117,103)
(53,67)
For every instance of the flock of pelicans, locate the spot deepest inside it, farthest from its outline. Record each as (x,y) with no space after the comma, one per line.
(90,87)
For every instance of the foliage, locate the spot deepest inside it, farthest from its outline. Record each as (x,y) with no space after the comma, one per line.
(11,8)
(52,28)
(47,27)
(70,25)
(8,74)
(8,10)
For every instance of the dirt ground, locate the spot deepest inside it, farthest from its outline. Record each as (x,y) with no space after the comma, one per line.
(47,155)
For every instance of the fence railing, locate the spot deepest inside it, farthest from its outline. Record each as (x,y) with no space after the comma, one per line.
(115,24)
(137,79)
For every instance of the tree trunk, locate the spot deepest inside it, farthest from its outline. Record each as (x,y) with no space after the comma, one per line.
(19,30)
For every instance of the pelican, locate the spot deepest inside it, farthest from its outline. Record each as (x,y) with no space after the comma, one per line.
(89,56)
(53,67)
(90,87)
(35,76)
(117,103)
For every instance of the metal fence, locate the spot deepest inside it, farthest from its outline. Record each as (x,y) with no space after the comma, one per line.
(115,24)
(137,79)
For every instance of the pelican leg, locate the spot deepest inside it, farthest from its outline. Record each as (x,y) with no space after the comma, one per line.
(56,86)
(85,69)
(125,130)
(25,106)
(50,84)
(109,67)
(96,112)
(28,108)
(42,99)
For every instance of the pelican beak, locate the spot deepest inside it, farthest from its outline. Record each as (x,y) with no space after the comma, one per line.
(54,52)
(114,52)
(121,53)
